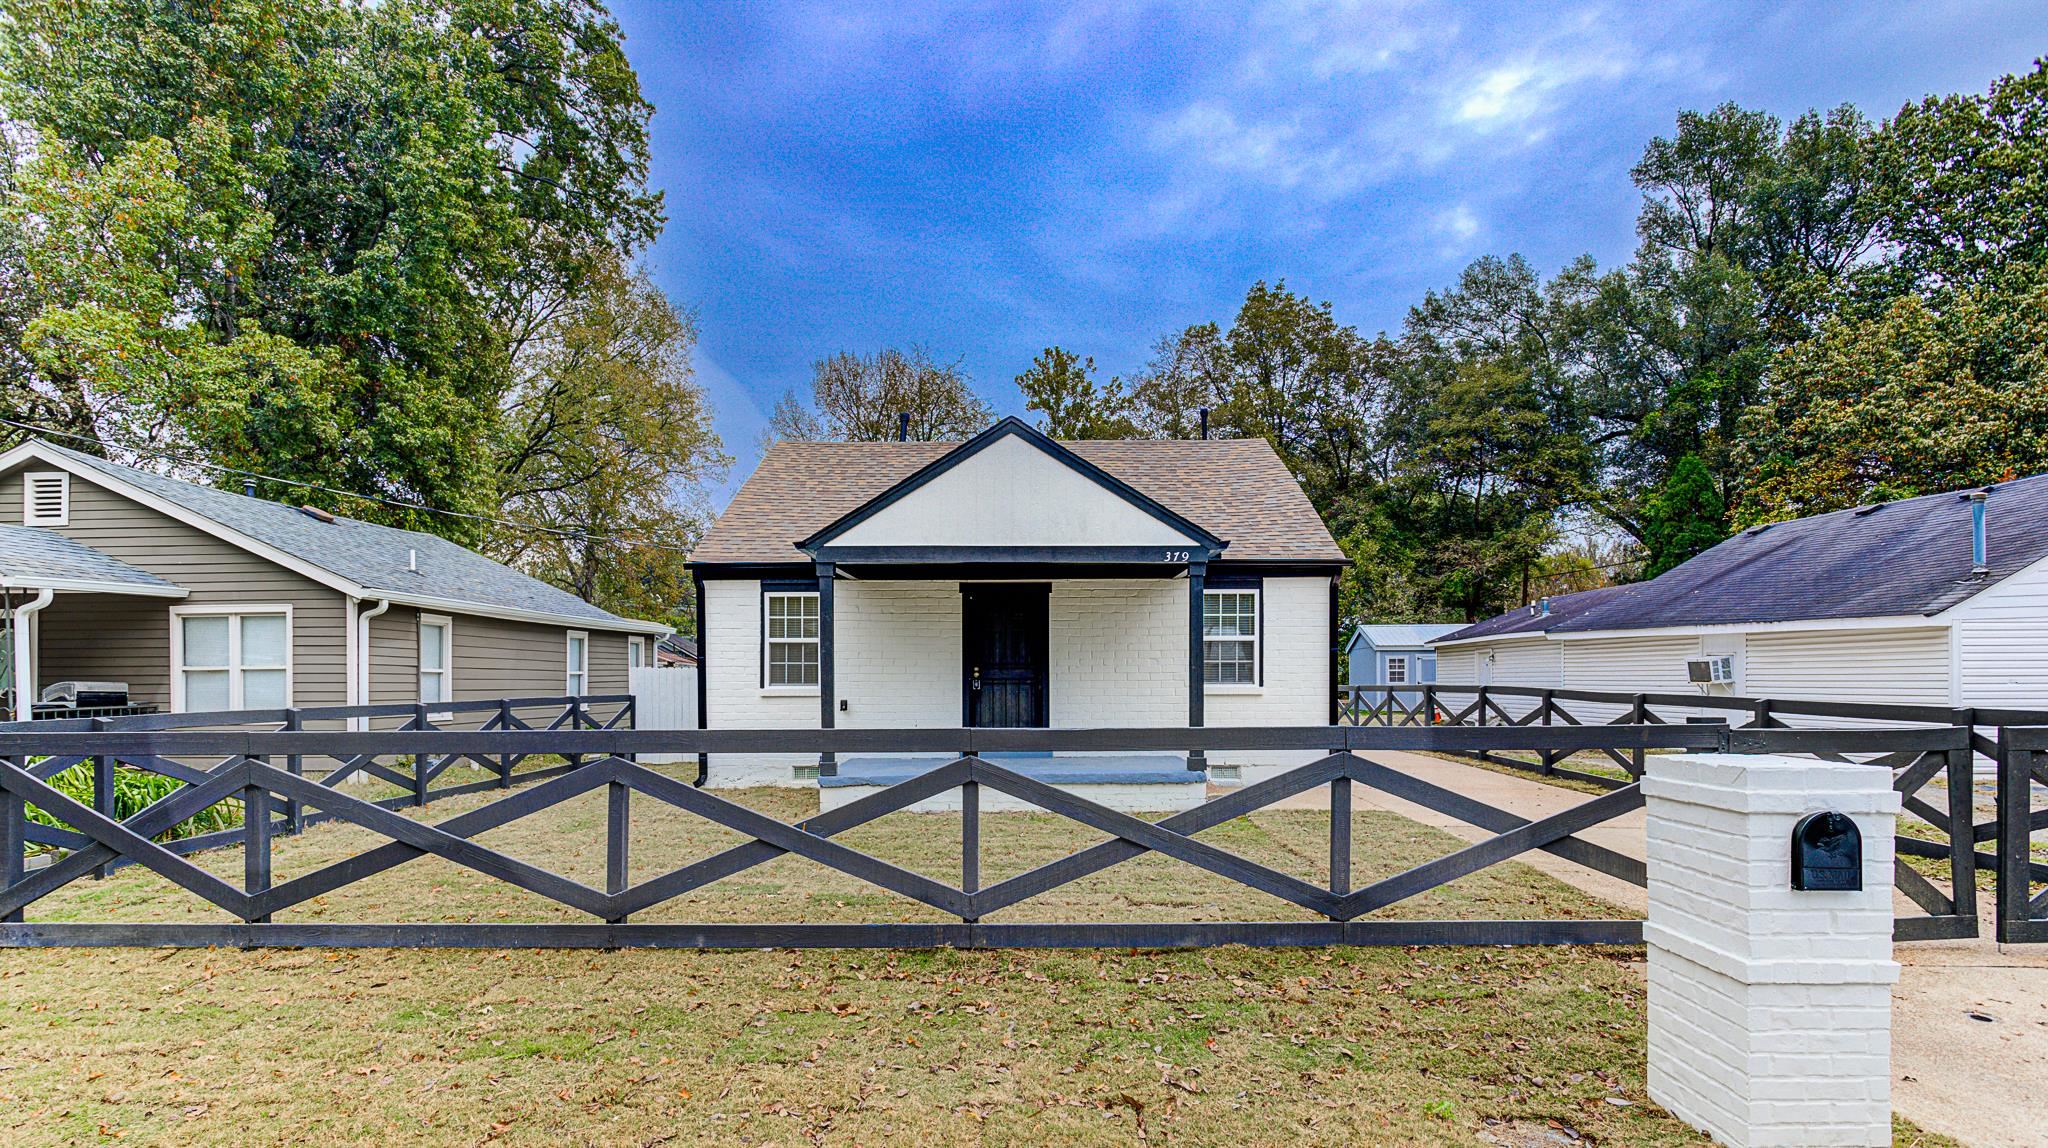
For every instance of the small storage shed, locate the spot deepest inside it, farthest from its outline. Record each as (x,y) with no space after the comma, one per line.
(1394,653)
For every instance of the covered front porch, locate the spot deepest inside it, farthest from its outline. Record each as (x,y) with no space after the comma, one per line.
(44,573)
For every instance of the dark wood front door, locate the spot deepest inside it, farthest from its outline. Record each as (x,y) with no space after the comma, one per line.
(1004,645)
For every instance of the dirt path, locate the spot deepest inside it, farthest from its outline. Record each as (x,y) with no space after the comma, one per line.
(1953,1071)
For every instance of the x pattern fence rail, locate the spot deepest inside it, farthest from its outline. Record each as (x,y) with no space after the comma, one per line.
(1967,734)
(602,759)
(414,772)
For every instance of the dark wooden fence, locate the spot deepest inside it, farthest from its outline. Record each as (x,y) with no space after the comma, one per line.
(414,772)
(254,766)
(1994,737)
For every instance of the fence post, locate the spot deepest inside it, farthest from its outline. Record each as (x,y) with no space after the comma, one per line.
(1769,1007)
(1637,716)
(419,757)
(2015,841)
(13,840)
(505,759)
(1429,704)
(1340,835)
(256,840)
(1549,756)
(1479,705)
(103,797)
(970,839)
(294,764)
(618,830)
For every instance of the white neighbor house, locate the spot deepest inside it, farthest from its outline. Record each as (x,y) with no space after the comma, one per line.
(1938,600)
(1011,580)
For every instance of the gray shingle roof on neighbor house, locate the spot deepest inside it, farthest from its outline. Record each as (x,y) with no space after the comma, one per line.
(1532,619)
(1236,489)
(371,556)
(1885,560)
(30,556)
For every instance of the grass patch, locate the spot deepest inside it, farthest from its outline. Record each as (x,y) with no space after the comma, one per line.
(1229,1045)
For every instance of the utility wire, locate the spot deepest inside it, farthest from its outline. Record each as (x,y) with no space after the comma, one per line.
(159,452)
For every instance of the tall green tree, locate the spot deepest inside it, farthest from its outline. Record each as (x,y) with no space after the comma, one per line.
(1061,386)
(1684,517)
(380,191)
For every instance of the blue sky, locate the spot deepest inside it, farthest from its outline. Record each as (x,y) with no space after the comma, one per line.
(989,179)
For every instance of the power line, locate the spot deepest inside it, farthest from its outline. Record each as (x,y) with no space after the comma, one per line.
(159,452)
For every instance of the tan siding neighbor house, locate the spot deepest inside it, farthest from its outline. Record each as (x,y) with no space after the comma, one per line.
(196,598)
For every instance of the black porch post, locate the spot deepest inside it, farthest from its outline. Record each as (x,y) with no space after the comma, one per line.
(1198,576)
(828,703)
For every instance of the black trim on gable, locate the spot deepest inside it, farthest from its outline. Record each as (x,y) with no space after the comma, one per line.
(1005,428)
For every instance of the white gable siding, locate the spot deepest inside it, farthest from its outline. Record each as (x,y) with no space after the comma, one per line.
(2002,643)
(1012,494)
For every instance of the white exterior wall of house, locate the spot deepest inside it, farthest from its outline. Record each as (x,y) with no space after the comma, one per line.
(1117,657)
(2000,654)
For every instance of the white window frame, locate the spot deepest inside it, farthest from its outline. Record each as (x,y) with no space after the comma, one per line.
(571,671)
(446,625)
(768,685)
(233,610)
(29,479)
(1257,636)
(636,653)
(1399,661)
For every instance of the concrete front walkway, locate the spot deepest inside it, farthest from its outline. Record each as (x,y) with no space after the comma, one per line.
(1969,1018)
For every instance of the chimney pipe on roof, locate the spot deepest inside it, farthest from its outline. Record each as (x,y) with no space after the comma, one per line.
(1979,563)
(902,426)
(1205,423)
(248,488)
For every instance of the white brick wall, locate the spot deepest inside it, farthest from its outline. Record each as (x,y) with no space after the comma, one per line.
(1118,657)
(1769,1008)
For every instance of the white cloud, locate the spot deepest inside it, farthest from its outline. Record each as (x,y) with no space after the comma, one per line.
(1457,223)
(1522,91)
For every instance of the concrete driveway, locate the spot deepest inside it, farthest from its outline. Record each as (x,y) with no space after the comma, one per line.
(1969,1018)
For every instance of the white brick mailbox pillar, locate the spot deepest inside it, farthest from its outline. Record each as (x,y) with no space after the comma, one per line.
(1769,1007)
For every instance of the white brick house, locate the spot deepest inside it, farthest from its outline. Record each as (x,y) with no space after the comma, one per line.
(1011,580)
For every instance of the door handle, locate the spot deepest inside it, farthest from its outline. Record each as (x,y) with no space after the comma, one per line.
(976,683)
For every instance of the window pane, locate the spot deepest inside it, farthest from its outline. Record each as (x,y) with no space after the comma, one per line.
(433,647)
(576,686)
(206,642)
(206,689)
(577,643)
(430,688)
(1228,614)
(263,640)
(1397,670)
(263,689)
(792,664)
(1228,663)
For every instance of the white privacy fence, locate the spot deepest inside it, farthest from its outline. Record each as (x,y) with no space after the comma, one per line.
(664,697)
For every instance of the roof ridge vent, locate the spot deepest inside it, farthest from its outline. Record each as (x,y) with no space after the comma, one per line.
(1753,531)
(1870,508)
(316,514)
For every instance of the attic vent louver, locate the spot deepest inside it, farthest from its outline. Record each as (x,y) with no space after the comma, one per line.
(315,513)
(46,498)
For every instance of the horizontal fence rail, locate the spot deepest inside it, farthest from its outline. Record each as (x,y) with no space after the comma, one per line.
(265,769)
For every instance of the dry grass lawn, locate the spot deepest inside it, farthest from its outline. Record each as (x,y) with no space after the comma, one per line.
(1223,1046)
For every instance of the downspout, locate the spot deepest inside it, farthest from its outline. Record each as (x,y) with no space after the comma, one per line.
(363,652)
(24,687)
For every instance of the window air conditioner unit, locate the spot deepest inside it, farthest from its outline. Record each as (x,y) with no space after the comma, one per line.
(1712,670)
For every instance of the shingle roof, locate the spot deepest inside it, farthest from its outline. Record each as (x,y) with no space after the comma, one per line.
(1390,635)
(1887,560)
(1237,489)
(371,556)
(1528,619)
(1907,557)
(30,556)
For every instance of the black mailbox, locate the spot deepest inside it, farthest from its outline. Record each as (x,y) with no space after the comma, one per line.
(1827,853)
